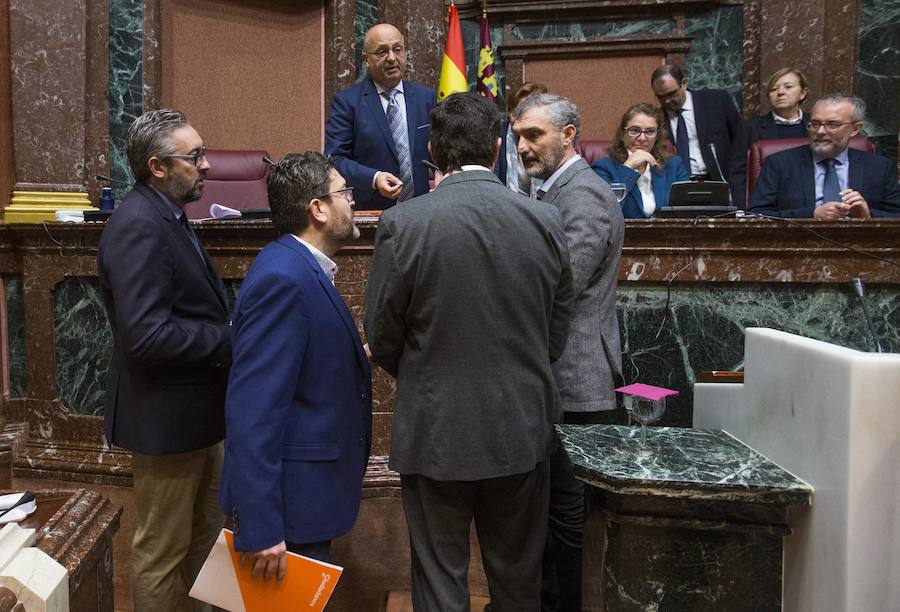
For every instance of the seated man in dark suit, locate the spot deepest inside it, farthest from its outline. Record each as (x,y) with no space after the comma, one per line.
(826,180)
(698,121)
(377,130)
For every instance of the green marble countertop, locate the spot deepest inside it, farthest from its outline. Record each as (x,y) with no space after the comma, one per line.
(687,463)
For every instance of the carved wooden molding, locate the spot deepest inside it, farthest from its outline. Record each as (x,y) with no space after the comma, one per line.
(606,47)
(531,11)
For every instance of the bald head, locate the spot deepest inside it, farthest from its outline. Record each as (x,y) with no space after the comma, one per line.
(384,52)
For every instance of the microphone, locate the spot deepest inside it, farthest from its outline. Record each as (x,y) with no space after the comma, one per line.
(859,289)
(103,177)
(712,149)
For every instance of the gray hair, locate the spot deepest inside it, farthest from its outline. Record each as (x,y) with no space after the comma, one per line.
(859,105)
(148,137)
(293,183)
(561,111)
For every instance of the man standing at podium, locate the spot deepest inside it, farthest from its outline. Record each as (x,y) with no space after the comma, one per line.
(377,130)
(548,128)
(467,305)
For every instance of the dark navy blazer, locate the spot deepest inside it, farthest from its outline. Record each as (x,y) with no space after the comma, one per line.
(787,186)
(358,139)
(660,180)
(298,407)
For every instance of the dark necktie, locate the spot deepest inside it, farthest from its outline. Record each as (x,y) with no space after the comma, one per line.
(831,188)
(682,143)
(192,237)
(401,143)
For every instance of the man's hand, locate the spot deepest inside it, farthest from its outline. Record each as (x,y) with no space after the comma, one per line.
(388,185)
(859,208)
(832,210)
(267,563)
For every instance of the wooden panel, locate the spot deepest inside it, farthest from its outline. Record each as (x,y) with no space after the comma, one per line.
(7,168)
(249,75)
(601,87)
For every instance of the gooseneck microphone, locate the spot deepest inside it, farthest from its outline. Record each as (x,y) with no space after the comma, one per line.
(712,149)
(860,291)
(103,177)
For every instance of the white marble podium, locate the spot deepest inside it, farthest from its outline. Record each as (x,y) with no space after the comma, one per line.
(831,416)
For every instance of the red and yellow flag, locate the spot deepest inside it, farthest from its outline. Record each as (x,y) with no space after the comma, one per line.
(453,66)
(487,80)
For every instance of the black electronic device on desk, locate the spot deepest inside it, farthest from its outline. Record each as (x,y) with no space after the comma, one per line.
(98,215)
(688,199)
(256,213)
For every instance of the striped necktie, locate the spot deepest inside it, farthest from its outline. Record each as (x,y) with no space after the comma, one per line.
(401,142)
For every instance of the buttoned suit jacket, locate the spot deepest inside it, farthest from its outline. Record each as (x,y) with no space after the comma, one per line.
(591,366)
(298,409)
(717,122)
(171,337)
(358,139)
(468,303)
(787,187)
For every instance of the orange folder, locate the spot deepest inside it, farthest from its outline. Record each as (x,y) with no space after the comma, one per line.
(222,582)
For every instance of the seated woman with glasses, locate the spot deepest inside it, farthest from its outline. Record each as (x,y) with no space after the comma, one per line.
(640,159)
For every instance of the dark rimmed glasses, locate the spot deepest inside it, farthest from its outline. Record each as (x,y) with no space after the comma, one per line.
(194,158)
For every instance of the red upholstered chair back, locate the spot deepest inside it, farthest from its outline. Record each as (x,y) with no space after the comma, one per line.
(592,150)
(236,179)
(761,149)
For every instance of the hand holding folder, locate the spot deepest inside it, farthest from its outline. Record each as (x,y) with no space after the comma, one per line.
(223,582)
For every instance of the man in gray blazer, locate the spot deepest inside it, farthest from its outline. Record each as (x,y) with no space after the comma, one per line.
(468,304)
(548,127)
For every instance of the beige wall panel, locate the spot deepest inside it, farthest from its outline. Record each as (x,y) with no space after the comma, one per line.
(601,87)
(248,74)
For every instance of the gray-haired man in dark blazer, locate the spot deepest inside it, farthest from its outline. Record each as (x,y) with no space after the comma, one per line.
(468,304)
(548,127)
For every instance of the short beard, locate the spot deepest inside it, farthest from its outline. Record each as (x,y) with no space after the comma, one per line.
(181,192)
(545,167)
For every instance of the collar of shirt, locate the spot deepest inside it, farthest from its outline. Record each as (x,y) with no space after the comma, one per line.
(467,168)
(688,102)
(385,101)
(549,182)
(381,89)
(782,121)
(175,210)
(325,262)
(842,158)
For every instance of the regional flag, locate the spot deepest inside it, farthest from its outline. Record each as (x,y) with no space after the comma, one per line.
(487,80)
(453,66)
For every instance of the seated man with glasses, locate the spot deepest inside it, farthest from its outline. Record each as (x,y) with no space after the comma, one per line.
(377,130)
(828,180)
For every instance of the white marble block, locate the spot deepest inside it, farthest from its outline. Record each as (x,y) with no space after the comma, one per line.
(831,416)
(36,580)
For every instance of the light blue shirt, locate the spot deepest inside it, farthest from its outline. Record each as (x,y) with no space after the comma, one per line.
(841,167)
(400,97)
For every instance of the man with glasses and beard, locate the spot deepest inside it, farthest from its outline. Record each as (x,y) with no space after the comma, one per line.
(299,402)
(171,348)
(548,127)
(377,130)
(828,180)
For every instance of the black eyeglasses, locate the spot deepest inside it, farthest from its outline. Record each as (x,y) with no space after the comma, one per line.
(830,126)
(347,192)
(634,132)
(193,157)
(383,53)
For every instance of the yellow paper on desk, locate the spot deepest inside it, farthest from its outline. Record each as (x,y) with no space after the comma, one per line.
(222,582)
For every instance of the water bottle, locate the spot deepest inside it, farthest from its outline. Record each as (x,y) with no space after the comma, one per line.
(106,199)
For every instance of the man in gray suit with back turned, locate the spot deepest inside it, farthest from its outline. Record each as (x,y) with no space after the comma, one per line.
(591,367)
(468,303)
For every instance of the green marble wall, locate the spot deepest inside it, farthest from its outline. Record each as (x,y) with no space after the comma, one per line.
(15,329)
(83,345)
(366,17)
(704,329)
(126,44)
(878,71)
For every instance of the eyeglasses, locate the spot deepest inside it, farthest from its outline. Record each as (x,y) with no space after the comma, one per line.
(635,132)
(193,157)
(830,126)
(347,192)
(383,53)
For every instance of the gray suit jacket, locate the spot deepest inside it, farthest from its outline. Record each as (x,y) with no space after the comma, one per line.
(591,366)
(468,303)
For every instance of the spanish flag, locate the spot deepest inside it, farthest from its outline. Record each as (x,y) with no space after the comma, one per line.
(487,80)
(453,67)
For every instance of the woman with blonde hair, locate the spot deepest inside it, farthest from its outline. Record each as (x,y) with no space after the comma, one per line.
(640,158)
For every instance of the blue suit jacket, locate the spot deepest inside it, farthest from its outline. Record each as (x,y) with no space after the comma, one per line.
(660,180)
(787,186)
(298,407)
(358,139)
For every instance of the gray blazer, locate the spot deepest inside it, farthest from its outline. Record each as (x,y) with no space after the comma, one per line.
(468,303)
(591,366)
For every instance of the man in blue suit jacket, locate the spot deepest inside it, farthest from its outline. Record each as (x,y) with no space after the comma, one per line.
(298,407)
(359,135)
(827,180)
